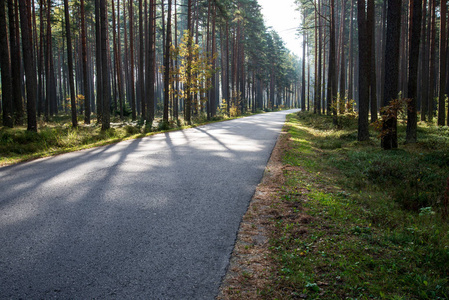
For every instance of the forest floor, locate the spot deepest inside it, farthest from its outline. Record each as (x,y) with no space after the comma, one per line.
(57,136)
(338,219)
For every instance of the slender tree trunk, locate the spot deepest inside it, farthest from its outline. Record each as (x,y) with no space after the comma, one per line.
(364,64)
(141,58)
(432,61)
(425,32)
(315,97)
(188,100)
(320,55)
(213,105)
(85,71)
(303,77)
(28,61)
(40,60)
(389,137)
(351,54)
(176,88)
(70,63)
(120,79)
(372,54)
(442,54)
(167,65)
(104,66)
(131,52)
(415,7)
(342,58)
(5,69)
(98,63)
(15,61)
(332,78)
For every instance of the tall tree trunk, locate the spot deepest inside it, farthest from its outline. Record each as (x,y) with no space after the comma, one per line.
(320,55)
(315,97)
(98,63)
(131,50)
(105,124)
(303,77)
(176,87)
(188,100)
(364,64)
(351,54)
(342,58)
(167,65)
(84,58)
(141,58)
(40,60)
(150,79)
(442,96)
(5,69)
(15,61)
(432,61)
(425,32)
(415,7)
(70,63)
(372,54)
(389,137)
(116,73)
(332,77)
(28,62)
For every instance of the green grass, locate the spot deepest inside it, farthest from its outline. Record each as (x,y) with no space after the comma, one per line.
(374,228)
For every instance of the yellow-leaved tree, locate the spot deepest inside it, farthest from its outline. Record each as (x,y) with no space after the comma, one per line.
(201,70)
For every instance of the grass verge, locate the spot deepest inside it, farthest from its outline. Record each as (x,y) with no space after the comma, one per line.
(352,221)
(58,136)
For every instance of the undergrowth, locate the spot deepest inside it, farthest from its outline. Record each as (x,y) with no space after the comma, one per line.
(58,136)
(358,222)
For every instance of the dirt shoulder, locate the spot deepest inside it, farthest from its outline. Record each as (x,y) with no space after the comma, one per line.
(251,267)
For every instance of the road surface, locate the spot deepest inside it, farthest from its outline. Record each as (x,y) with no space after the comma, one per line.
(151,218)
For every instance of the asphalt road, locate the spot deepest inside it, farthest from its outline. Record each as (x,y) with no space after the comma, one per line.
(152,218)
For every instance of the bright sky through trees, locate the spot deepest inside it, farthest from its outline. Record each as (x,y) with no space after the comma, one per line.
(283,17)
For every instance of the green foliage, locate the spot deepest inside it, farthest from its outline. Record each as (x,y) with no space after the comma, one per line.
(360,223)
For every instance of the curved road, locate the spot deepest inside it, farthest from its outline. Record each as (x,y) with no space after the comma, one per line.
(152,218)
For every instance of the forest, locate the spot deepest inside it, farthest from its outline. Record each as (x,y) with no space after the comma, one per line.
(177,59)
(343,217)
(140,60)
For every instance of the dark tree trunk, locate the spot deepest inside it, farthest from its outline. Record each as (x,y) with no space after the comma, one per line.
(188,100)
(442,54)
(424,62)
(98,63)
(167,65)
(351,54)
(15,61)
(141,59)
(364,69)
(372,54)
(414,38)
(5,69)
(432,59)
(85,75)
(303,79)
(105,124)
(150,65)
(70,63)
(131,50)
(28,62)
(342,59)
(389,136)
(332,77)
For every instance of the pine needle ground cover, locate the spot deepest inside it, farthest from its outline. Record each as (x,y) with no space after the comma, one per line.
(352,221)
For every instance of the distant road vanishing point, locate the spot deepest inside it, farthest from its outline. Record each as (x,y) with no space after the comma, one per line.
(151,218)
